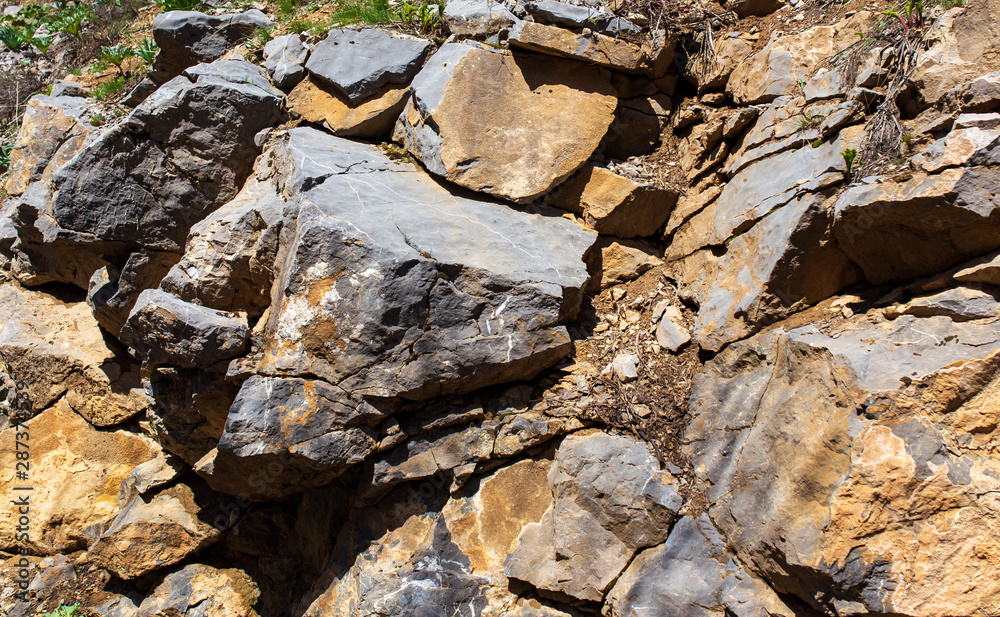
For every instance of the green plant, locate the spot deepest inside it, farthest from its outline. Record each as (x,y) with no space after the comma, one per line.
(5,156)
(817,143)
(258,39)
(75,70)
(914,12)
(42,44)
(71,20)
(427,16)
(808,121)
(147,50)
(97,120)
(116,55)
(108,89)
(64,611)
(178,5)
(12,37)
(363,11)
(298,26)
(849,155)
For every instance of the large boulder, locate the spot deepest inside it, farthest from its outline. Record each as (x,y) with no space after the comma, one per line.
(831,451)
(357,63)
(187,38)
(372,118)
(49,122)
(901,230)
(508,125)
(53,349)
(609,499)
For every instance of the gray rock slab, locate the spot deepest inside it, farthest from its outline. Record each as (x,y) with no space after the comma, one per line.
(475,17)
(187,38)
(359,62)
(285,60)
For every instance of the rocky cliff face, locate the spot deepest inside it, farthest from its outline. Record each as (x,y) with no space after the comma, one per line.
(598,320)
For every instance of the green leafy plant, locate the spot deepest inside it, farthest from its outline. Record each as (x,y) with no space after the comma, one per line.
(116,55)
(108,89)
(147,50)
(97,120)
(849,155)
(42,44)
(427,16)
(914,15)
(363,11)
(64,611)
(5,156)
(71,20)
(178,5)
(12,37)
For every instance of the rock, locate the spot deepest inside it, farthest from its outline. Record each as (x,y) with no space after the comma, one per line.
(112,292)
(567,15)
(463,126)
(773,71)
(403,557)
(63,87)
(48,123)
(591,47)
(163,329)
(977,121)
(53,349)
(189,409)
(749,8)
(477,17)
(758,190)
(838,433)
(609,500)
(624,367)
(615,205)
(181,154)
(147,535)
(199,591)
(902,230)
(75,471)
(959,147)
(187,38)
(149,475)
(983,270)
(710,70)
(638,126)
(450,303)
(693,573)
(228,263)
(268,452)
(617,261)
(285,60)
(373,118)
(965,47)
(958,304)
(787,261)
(671,333)
(359,62)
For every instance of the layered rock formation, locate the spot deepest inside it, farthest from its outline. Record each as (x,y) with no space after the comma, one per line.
(615,326)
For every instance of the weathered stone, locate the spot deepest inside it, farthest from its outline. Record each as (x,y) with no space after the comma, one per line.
(567,15)
(75,471)
(48,123)
(403,557)
(785,262)
(624,367)
(372,118)
(615,205)
(958,304)
(693,574)
(187,38)
(189,409)
(959,147)
(824,452)
(966,45)
(983,270)
(671,332)
(472,108)
(267,452)
(112,292)
(285,60)
(710,70)
(758,190)
(616,261)
(54,349)
(477,17)
(591,47)
(359,62)
(609,500)
(749,8)
(149,475)
(451,301)
(147,535)
(65,87)
(228,264)
(901,230)
(977,121)
(774,70)
(163,329)
(199,591)
(182,153)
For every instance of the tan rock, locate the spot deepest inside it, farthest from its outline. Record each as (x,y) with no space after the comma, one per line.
(711,70)
(958,147)
(147,535)
(372,118)
(616,261)
(983,270)
(615,205)
(511,126)
(48,123)
(75,471)
(773,71)
(202,590)
(54,349)
(589,46)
